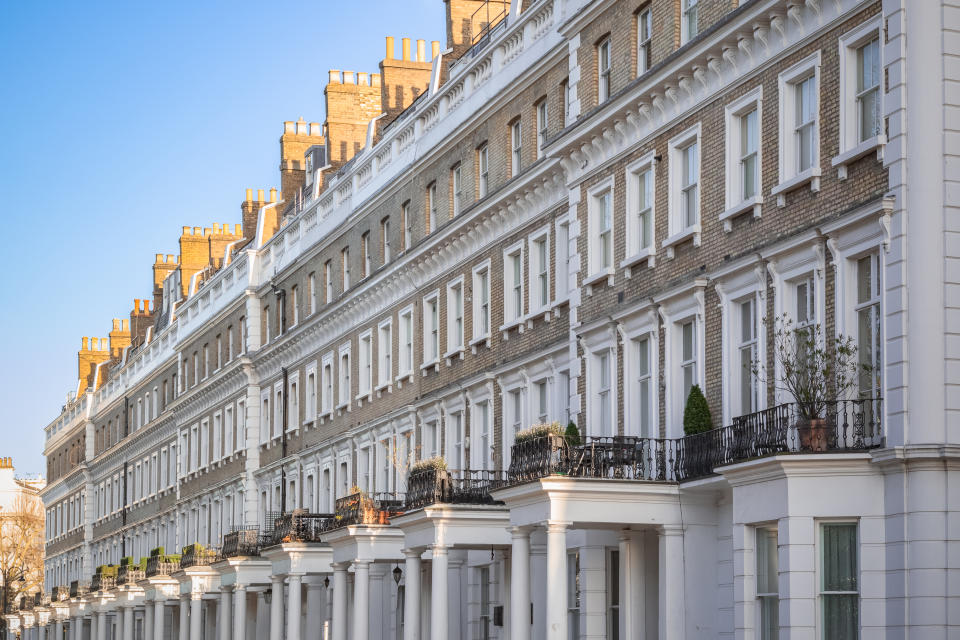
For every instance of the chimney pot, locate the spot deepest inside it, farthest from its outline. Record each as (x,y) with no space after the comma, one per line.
(421,51)
(249,195)
(389,55)
(259,195)
(273,194)
(405,44)
(434,49)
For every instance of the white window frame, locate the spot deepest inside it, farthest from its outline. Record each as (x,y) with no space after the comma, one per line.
(604,69)
(310,393)
(345,267)
(431,330)
(479,335)
(384,354)
(293,401)
(689,12)
(601,341)
(851,146)
(678,230)
(761,596)
(820,593)
(386,247)
(483,170)
(456,338)
(600,272)
(637,251)
(456,179)
(344,383)
(789,175)
(538,290)
(431,207)
(542,124)
(513,286)
(312,283)
(328,399)
(736,201)
(328,281)
(639,324)
(365,365)
(561,260)
(481,437)
(516,147)
(405,350)
(747,282)
(676,308)
(644,40)
(455,428)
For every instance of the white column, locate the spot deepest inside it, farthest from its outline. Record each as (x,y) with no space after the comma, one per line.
(78,627)
(224,615)
(158,612)
(42,631)
(196,617)
(315,608)
(411,604)
(239,612)
(128,622)
(118,620)
(148,621)
(439,602)
(276,608)
(101,626)
(185,617)
(263,616)
(671,583)
(361,599)
(557,580)
(631,586)
(294,582)
(520,584)
(339,620)
(58,630)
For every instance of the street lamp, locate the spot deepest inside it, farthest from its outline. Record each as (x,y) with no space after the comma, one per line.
(397,574)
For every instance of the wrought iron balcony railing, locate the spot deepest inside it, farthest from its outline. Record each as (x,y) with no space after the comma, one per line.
(102,582)
(244,541)
(846,426)
(196,555)
(77,589)
(299,526)
(435,486)
(361,508)
(162,565)
(130,573)
(59,593)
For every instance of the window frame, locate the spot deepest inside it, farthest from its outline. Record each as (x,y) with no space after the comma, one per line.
(604,54)
(789,175)
(513,286)
(456,189)
(644,45)
(516,146)
(821,592)
(636,250)
(852,145)
(431,329)
(543,121)
(431,208)
(678,229)
(736,200)
(365,381)
(597,227)
(456,346)
(483,170)
(689,11)
(477,308)
(541,272)
(384,354)
(406,349)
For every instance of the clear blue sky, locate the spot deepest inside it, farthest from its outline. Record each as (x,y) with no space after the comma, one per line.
(120,122)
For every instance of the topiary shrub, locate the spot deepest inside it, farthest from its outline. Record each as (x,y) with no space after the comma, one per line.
(572,434)
(696,414)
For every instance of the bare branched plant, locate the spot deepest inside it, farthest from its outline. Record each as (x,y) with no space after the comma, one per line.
(21,548)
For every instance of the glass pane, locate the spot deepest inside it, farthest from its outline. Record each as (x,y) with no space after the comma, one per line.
(869,114)
(643,357)
(868,65)
(614,574)
(802,310)
(687,341)
(687,381)
(749,168)
(841,617)
(746,380)
(644,400)
(748,133)
(767,579)
(840,557)
(769,618)
(747,328)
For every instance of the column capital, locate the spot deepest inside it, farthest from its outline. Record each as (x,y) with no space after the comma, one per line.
(556,526)
(362,562)
(519,532)
(671,530)
(440,549)
(239,587)
(412,553)
(340,567)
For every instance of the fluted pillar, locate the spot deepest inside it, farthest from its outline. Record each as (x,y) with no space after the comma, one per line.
(411,603)
(557,580)
(239,612)
(439,600)
(276,608)
(340,601)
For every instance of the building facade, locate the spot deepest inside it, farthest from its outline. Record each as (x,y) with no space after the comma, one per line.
(574,214)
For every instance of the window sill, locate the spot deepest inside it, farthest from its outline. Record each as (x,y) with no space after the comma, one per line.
(384,386)
(878,142)
(450,355)
(407,376)
(343,406)
(476,342)
(543,312)
(364,396)
(671,243)
(750,204)
(426,366)
(506,327)
(811,176)
(644,255)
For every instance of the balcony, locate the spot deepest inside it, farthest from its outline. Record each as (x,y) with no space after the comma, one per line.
(846,426)
(240,543)
(162,565)
(104,578)
(129,574)
(299,526)
(440,486)
(77,590)
(59,594)
(360,508)
(196,555)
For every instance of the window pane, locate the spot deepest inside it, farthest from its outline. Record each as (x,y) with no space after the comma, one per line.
(688,341)
(840,557)
(767,561)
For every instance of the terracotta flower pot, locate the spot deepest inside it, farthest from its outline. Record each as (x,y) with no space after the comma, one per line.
(814,434)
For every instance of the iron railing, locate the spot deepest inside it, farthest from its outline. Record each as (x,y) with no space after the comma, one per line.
(100,582)
(77,589)
(846,426)
(361,508)
(489,17)
(130,573)
(59,593)
(299,526)
(242,541)
(433,486)
(196,555)
(162,565)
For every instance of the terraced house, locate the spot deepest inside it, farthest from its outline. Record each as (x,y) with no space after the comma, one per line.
(579,215)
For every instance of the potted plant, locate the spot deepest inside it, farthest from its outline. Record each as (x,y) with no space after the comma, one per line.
(572,434)
(430,481)
(815,372)
(695,459)
(538,451)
